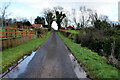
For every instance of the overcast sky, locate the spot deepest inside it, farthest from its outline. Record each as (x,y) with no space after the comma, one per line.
(34,8)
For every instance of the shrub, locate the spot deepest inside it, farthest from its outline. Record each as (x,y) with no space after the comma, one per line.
(96,41)
(117,48)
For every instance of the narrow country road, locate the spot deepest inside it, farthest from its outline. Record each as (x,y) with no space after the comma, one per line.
(50,61)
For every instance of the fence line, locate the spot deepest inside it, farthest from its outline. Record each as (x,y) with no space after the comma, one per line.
(14,32)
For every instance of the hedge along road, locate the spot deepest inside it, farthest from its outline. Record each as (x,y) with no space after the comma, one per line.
(50,61)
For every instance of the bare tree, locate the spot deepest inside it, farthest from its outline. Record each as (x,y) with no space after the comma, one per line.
(0,20)
(66,22)
(84,16)
(3,11)
(103,18)
(75,19)
(59,15)
(58,8)
(49,16)
(14,22)
(93,16)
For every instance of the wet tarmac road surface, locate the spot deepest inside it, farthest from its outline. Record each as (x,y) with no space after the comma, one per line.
(50,61)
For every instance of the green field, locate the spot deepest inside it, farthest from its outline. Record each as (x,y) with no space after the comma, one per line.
(12,55)
(73,31)
(92,62)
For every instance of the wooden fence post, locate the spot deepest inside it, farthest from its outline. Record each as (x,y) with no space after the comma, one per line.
(26,32)
(30,32)
(15,33)
(6,33)
(22,33)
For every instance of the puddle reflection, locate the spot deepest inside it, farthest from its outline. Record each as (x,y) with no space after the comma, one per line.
(20,68)
(77,68)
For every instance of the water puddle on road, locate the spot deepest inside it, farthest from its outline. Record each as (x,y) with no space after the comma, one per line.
(20,68)
(77,68)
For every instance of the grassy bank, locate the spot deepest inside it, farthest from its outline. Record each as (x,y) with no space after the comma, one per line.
(92,62)
(73,31)
(10,56)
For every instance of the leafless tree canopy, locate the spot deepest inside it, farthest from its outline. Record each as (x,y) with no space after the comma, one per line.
(4,12)
(65,21)
(75,18)
(84,13)
(86,16)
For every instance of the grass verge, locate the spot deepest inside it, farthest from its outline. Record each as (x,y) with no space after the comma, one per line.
(94,64)
(12,55)
(73,31)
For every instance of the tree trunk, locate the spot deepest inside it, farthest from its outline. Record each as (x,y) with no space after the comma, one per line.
(49,26)
(2,21)
(59,26)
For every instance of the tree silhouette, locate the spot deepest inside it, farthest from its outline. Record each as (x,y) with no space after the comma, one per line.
(59,17)
(40,20)
(49,17)
(4,12)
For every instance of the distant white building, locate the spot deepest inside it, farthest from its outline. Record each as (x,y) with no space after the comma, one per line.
(119,11)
